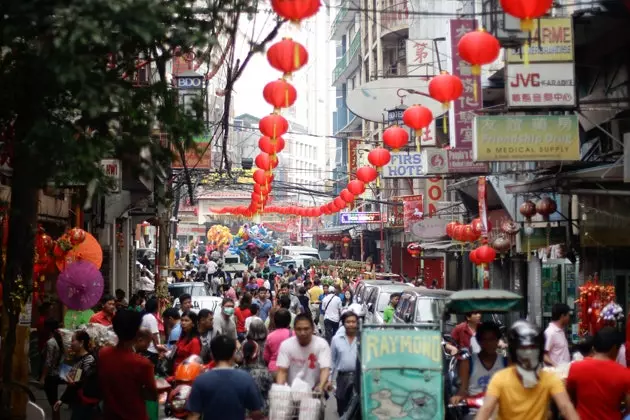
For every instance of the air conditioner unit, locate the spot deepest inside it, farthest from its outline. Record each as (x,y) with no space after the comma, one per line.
(505,27)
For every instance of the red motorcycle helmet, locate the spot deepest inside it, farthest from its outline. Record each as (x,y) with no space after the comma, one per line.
(189,369)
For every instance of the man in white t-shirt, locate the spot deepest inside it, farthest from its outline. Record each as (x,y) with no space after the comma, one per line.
(331,308)
(149,321)
(305,355)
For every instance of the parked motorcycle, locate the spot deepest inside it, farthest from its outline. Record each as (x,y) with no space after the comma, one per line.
(181,385)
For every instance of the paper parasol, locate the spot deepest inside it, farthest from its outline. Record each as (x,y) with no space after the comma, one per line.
(88,250)
(80,285)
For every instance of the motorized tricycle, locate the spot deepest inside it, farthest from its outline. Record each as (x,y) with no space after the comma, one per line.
(405,367)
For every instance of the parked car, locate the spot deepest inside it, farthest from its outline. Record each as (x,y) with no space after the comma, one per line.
(201,296)
(363,288)
(419,305)
(376,298)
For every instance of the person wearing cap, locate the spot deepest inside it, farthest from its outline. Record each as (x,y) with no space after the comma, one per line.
(598,384)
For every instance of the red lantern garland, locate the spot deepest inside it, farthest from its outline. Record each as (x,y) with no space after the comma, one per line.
(414,249)
(366,174)
(356,187)
(346,195)
(273,125)
(445,88)
(295,10)
(287,56)
(395,137)
(417,117)
(271,146)
(478,48)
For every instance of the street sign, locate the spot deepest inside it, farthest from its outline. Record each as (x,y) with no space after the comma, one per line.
(359,217)
(189,82)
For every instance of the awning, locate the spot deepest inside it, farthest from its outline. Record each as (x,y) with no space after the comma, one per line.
(576,180)
(333,233)
(468,193)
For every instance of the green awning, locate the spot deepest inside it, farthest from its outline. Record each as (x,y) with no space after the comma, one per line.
(466,301)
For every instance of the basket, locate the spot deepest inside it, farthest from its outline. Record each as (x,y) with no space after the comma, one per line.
(285,404)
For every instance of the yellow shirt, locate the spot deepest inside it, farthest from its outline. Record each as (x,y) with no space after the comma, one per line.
(314,293)
(519,403)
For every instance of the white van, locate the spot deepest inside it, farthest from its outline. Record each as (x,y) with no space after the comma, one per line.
(294,251)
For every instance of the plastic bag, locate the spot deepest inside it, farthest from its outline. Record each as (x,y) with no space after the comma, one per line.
(310,409)
(280,403)
(300,390)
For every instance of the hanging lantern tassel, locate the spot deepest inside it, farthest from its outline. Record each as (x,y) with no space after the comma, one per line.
(418,137)
(296,56)
(476,71)
(445,124)
(378,181)
(526,52)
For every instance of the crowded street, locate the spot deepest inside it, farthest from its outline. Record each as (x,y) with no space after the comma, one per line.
(314,210)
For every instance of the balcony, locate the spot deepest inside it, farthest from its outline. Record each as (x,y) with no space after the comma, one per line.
(348,63)
(343,20)
(395,18)
(345,121)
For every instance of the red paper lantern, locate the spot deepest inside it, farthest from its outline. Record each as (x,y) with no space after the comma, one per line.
(266,161)
(445,88)
(346,241)
(395,137)
(262,189)
(279,94)
(546,207)
(366,174)
(346,195)
(478,48)
(287,56)
(473,257)
(261,177)
(528,210)
(486,254)
(458,233)
(450,228)
(295,10)
(273,125)
(340,203)
(417,117)
(271,146)
(379,157)
(414,249)
(469,234)
(478,227)
(526,10)
(356,187)
(324,209)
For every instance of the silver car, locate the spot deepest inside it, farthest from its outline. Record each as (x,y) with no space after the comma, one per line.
(374,296)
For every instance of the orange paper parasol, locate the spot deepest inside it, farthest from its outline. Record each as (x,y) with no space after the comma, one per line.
(88,250)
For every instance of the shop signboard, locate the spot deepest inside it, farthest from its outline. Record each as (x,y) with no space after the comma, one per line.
(420,57)
(359,217)
(429,228)
(461,161)
(551,41)
(541,85)
(400,366)
(353,144)
(113,169)
(197,157)
(526,138)
(413,209)
(461,113)
(403,165)
(434,191)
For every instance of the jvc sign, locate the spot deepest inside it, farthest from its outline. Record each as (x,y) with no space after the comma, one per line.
(193,82)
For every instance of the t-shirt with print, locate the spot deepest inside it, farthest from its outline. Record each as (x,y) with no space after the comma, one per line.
(230,392)
(599,387)
(304,361)
(519,403)
(150,322)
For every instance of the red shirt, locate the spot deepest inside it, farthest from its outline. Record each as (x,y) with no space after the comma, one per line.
(599,387)
(184,349)
(462,334)
(122,375)
(101,318)
(241,316)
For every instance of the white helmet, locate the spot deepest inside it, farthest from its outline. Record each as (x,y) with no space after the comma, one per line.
(356,308)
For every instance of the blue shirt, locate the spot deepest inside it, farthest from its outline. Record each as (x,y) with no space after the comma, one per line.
(344,354)
(263,308)
(174,335)
(227,391)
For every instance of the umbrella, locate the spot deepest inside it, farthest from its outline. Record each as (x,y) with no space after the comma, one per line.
(88,250)
(80,285)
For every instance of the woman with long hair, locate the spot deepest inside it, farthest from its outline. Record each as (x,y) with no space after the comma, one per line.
(53,357)
(251,363)
(241,314)
(189,342)
(83,368)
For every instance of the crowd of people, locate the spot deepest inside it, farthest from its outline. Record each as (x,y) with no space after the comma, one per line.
(272,328)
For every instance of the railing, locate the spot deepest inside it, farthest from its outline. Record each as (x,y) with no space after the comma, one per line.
(341,14)
(348,56)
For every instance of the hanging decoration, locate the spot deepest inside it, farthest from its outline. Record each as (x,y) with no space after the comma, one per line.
(44,262)
(366,174)
(80,285)
(445,88)
(414,249)
(219,238)
(271,146)
(356,187)
(502,245)
(295,10)
(273,125)
(77,245)
(485,254)
(379,157)
(546,207)
(526,11)
(478,48)
(418,118)
(279,94)
(287,56)
(395,137)
(593,299)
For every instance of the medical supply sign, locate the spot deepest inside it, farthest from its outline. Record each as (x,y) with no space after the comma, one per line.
(526,138)
(404,165)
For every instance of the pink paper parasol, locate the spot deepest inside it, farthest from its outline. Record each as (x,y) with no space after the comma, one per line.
(80,285)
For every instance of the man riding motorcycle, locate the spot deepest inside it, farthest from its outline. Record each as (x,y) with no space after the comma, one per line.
(524,391)
(186,373)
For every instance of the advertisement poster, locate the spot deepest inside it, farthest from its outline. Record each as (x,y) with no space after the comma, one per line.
(413,210)
(555,42)
(400,368)
(460,115)
(527,138)
(434,194)
(482,196)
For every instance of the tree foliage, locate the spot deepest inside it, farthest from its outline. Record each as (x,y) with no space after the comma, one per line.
(69,98)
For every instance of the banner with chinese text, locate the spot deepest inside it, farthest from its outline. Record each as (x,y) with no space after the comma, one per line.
(461,114)
(413,206)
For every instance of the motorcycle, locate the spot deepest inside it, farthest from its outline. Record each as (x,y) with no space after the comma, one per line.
(181,385)
(467,408)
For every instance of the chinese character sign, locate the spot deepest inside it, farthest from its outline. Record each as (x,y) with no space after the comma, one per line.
(413,210)
(420,58)
(526,138)
(461,113)
(541,85)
